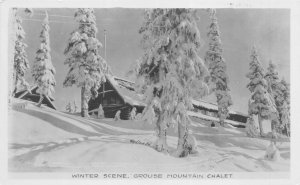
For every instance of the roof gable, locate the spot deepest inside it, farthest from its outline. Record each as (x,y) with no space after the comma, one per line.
(126,91)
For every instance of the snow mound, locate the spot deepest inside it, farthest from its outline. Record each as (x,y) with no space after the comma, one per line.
(37,136)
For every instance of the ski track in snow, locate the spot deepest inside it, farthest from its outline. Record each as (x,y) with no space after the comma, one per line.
(42,139)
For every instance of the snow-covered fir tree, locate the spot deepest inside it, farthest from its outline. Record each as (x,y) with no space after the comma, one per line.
(217,68)
(286,91)
(259,103)
(171,73)
(69,107)
(100,112)
(272,152)
(283,104)
(75,106)
(133,113)
(280,92)
(20,61)
(251,129)
(117,115)
(271,77)
(28,11)
(43,71)
(87,68)
(285,118)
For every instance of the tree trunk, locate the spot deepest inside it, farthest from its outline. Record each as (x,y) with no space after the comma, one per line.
(182,140)
(15,85)
(40,101)
(84,103)
(286,130)
(222,122)
(14,92)
(161,144)
(186,143)
(260,125)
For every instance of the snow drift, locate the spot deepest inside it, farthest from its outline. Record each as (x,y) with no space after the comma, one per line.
(42,139)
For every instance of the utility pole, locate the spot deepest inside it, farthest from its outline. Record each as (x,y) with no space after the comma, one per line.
(103,88)
(105,44)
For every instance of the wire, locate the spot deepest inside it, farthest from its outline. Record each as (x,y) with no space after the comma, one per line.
(54,15)
(63,22)
(39,20)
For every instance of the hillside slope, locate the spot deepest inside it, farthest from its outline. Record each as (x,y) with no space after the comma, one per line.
(41,139)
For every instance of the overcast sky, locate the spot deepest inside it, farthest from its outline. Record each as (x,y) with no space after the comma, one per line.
(268,29)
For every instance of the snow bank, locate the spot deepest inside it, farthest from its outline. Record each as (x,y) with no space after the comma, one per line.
(37,136)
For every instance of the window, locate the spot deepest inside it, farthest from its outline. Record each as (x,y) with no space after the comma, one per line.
(113,100)
(118,101)
(105,101)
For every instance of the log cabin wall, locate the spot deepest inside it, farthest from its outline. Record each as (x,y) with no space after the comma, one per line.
(111,102)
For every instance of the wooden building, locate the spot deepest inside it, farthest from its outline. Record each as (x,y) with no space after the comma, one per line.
(211,109)
(31,95)
(118,94)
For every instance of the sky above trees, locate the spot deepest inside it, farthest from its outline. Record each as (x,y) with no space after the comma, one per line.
(268,29)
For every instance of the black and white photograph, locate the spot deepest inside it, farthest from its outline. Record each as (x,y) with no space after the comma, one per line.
(179,93)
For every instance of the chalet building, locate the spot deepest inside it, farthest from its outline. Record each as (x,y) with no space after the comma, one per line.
(211,109)
(118,94)
(31,95)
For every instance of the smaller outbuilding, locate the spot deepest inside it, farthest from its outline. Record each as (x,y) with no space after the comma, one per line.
(30,94)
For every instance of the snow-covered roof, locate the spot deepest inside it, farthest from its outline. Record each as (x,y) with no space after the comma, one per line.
(211,118)
(213,106)
(126,91)
(32,91)
(31,88)
(205,104)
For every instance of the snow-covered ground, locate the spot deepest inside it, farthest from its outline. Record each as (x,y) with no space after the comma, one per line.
(41,139)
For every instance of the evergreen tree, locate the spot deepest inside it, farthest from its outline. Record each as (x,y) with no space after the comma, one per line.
(20,61)
(133,114)
(285,117)
(75,106)
(100,112)
(28,11)
(87,68)
(286,91)
(259,103)
(271,77)
(171,72)
(283,103)
(117,115)
(43,70)
(217,68)
(69,108)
